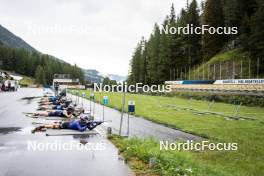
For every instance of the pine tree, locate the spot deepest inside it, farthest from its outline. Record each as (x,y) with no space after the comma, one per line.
(172,14)
(213,16)
(40,75)
(174,45)
(164,56)
(245,32)
(153,55)
(194,40)
(256,41)
(183,49)
(249,6)
(233,13)
(136,65)
(48,73)
(145,62)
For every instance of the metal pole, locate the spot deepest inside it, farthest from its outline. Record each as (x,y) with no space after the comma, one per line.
(241,70)
(189,73)
(90,105)
(181,73)
(174,74)
(208,71)
(127,124)
(214,71)
(170,74)
(234,70)
(198,72)
(122,113)
(94,106)
(185,70)
(189,50)
(82,101)
(177,73)
(203,72)
(103,113)
(258,68)
(249,71)
(194,73)
(220,69)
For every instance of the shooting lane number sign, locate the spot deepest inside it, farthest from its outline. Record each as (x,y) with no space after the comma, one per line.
(131,106)
(105,100)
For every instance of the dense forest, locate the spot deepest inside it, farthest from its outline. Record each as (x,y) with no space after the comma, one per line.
(154,58)
(37,65)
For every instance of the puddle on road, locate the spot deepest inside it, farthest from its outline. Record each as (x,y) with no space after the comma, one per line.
(29,99)
(6,130)
(26,130)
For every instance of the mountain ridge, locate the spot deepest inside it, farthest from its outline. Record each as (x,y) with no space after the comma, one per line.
(92,75)
(13,41)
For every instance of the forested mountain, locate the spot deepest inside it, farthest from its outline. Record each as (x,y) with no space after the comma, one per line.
(117,78)
(93,76)
(16,55)
(13,41)
(156,59)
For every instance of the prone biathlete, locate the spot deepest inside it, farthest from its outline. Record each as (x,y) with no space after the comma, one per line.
(68,113)
(80,125)
(50,99)
(55,107)
(55,102)
(54,98)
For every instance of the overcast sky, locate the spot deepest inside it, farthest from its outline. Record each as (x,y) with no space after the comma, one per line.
(94,34)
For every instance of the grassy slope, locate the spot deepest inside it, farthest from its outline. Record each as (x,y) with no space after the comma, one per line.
(26,81)
(249,135)
(234,55)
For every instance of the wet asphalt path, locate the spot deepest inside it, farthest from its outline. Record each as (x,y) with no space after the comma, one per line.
(138,126)
(17,160)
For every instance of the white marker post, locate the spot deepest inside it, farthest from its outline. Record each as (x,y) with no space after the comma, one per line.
(122,113)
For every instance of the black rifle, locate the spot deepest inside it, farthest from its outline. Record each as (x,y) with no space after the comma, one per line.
(93,124)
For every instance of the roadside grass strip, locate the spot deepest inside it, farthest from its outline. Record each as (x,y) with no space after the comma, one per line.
(248,134)
(145,158)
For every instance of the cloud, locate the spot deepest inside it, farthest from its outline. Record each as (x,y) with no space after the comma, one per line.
(99,34)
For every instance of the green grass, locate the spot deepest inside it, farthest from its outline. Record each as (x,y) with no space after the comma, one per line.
(235,55)
(247,100)
(249,135)
(26,81)
(229,57)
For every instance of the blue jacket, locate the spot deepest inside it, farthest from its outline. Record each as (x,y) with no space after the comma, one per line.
(77,125)
(53,98)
